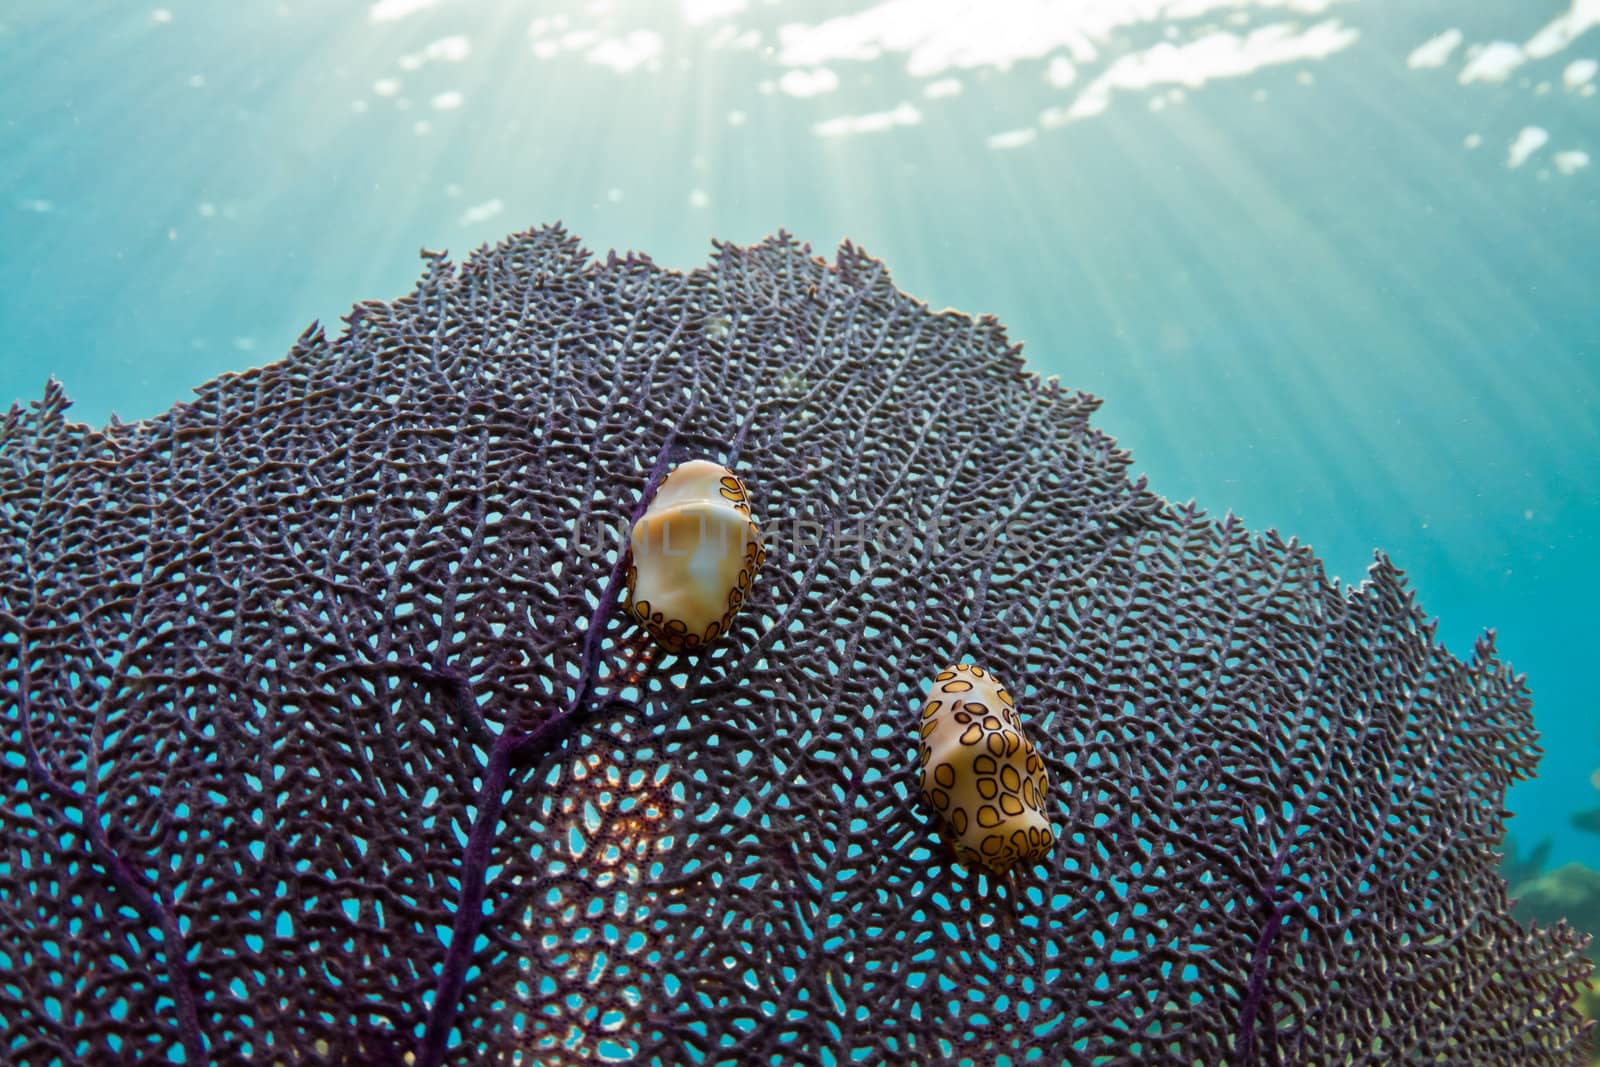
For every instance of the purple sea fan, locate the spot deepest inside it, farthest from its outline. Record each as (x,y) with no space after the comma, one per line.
(329,742)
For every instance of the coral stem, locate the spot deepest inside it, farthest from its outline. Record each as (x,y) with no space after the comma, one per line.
(1245,1046)
(469,908)
(517,746)
(151,909)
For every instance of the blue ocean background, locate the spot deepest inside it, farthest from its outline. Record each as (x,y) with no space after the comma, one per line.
(1333,265)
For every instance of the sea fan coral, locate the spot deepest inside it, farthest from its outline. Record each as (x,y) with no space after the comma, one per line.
(330,741)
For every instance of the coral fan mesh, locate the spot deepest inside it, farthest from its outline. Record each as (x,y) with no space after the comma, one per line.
(326,740)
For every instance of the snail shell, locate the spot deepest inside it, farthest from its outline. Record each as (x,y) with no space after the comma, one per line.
(981,773)
(696,551)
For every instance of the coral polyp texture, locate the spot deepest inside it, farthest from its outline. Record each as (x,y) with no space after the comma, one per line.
(329,737)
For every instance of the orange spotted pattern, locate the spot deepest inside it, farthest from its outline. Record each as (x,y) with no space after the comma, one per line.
(981,773)
(674,634)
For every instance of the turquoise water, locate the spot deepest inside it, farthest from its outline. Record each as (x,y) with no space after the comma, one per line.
(1331,265)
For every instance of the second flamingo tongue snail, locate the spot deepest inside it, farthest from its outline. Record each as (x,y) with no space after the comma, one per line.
(981,773)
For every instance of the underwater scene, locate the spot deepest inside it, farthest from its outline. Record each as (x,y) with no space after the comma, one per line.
(755,531)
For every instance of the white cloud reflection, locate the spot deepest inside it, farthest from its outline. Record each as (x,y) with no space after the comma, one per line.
(1061,73)
(872,122)
(1528,141)
(482,212)
(1211,57)
(1012,138)
(803,82)
(453,49)
(938,36)
(1507,66)
(1436,51)
(392,10)
(628,52)
(1493,62)
(698,11)
(1496,61)
(1086,42)
(551,36)
(1569,163)
(1561,31)
(1088,53)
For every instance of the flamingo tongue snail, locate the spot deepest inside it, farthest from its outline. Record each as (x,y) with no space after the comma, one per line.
(696,551)
(981,773)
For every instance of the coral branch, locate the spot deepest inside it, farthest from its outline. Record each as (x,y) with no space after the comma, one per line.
(142,897)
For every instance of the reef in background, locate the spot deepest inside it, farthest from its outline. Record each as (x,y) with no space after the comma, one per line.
(1589,820)
(1571,893)
(329,737)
